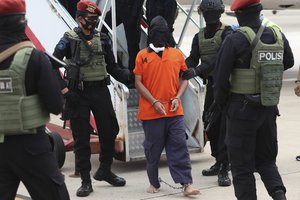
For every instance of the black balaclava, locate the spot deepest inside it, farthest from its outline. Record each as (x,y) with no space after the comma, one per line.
(158,32)
(249,16)
(212,17)
(13,27)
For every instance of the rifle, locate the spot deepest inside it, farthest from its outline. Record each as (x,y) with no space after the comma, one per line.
(73,76)
(211,116)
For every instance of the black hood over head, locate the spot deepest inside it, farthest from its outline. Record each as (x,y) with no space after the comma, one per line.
(158,32)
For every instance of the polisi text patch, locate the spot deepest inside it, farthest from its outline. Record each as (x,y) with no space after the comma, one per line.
(266,56)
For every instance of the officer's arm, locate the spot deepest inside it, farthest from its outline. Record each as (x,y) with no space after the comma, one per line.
(40,74)
(193,59)
(112,67)
(62,49)
(223,68)
(288,58)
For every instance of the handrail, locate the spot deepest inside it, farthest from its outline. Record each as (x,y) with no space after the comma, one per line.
(63,13)
(188,19)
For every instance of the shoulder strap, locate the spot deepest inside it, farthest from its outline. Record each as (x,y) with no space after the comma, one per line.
(258,35)
(10,51)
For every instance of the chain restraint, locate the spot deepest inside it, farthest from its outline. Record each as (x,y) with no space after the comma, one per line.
(171,186)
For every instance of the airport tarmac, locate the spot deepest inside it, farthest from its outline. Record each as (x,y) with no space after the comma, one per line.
(288,142)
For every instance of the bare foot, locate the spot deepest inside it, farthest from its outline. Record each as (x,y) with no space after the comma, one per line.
(152,189)
(188,190)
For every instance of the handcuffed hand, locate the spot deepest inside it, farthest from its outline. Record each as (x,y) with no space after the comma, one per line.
(159,107)
(175,102)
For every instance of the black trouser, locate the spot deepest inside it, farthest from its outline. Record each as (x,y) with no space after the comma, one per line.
(70,6)
(29,158)
(98,100)
(216,134)
(132,29)
(222,148)
(252,146)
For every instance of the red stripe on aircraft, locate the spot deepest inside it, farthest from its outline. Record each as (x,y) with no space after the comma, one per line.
(34,39)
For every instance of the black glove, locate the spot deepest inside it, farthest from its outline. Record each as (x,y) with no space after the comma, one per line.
(72,98)
(188,74)
(131,80)
(193,72)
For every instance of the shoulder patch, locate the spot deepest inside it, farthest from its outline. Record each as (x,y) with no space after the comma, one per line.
(62,43)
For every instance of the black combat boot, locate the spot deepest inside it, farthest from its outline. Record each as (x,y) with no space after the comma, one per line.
(85,189)
(223,178)
(279,195)
(212,171)
(104,174)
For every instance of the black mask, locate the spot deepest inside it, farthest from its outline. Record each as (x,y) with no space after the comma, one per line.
(13,27)
(212,17)
(249,19)
(158,32)
(91,23)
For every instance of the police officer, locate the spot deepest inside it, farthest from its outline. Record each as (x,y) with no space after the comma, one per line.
(248,79)
(95,61)
(205,47)
(129,12)
(28,93)
(167,9)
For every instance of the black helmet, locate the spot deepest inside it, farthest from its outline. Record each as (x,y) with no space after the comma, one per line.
(211,5)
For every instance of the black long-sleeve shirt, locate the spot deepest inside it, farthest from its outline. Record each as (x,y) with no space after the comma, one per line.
(63,49)
(39,78)
(236,48)
(193,59)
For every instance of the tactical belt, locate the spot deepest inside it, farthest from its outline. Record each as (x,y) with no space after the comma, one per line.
(94,83)
(251,99)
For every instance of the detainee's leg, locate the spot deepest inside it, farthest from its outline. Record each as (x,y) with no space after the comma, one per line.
(178,156)
(153,146)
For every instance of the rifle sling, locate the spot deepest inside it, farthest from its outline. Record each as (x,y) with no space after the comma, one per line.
(257,37)
(13,49)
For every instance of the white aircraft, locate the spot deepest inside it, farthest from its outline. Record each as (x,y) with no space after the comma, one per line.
(275,5)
